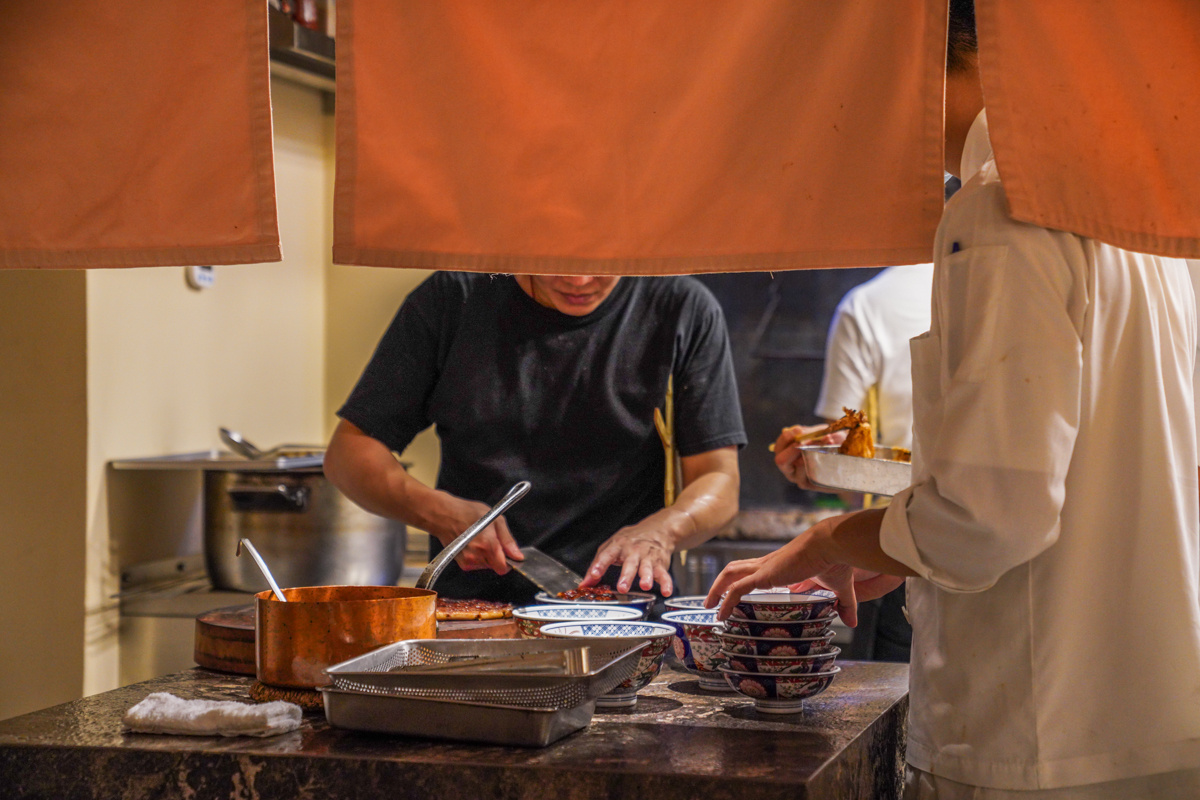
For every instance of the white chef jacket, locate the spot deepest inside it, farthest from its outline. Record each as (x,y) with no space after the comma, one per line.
(1053,513)
(868,346)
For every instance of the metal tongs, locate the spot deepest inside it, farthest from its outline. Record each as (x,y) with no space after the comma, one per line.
(556,662)
(451,551)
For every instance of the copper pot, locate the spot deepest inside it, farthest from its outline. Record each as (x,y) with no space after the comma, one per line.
(320,626)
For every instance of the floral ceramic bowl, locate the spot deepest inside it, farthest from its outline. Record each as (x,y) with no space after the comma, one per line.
(659,638)
(639,600)
(801,629)
(782,607)
(692,602)
(696,646)
(530,619)
(783,665)
(779,694)
(762,646)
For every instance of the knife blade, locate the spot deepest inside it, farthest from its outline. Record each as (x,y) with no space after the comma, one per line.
(548,574)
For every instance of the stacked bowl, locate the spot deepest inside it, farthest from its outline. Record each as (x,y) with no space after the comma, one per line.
(777,648)
(642,601)
(530,619)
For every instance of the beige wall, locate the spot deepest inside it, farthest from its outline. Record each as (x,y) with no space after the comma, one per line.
(113,364)
(42,509)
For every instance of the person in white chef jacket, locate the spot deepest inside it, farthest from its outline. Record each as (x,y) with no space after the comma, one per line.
(1051,537)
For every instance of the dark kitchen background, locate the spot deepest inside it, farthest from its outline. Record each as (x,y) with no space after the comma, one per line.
(778,323)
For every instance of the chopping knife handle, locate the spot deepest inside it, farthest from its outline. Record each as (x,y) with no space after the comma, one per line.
(451,551)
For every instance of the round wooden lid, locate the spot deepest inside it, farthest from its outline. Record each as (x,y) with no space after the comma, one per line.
(225,639)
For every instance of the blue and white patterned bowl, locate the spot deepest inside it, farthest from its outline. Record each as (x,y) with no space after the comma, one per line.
(781,606)
(782,665)
(639,600)
(696,647)
(779,629)
(762,646)
(779,694)
(692,602)
(649,663)
(530,619)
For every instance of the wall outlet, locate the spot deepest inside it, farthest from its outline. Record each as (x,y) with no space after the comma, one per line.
(200,277)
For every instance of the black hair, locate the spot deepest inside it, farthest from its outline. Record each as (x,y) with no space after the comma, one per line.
(961,43)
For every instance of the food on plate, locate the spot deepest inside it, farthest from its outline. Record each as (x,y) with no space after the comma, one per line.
(450,609)
(860,439)
(593,593)
(852,421)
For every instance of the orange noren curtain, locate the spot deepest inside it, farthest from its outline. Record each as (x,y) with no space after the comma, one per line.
(1094,114)
(638,136)
(135,134)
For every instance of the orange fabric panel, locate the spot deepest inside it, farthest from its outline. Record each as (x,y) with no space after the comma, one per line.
(1094,115)
(135,134)
(638,136)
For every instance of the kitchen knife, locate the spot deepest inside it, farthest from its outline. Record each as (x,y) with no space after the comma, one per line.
(548,574)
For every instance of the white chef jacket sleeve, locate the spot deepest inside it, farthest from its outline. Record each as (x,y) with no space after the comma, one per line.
(996,404)
(851,362)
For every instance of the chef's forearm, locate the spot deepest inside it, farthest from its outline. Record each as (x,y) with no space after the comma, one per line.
(708,501)
(854,539)
(365,470)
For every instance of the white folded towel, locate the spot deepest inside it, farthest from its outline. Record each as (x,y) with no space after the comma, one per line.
(163,712)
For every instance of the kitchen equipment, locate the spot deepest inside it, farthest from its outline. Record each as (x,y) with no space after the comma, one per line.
(240,445)
(310,532)
(882,474)
(779,693)
(530,619)
(224,639)
(488,723)
(638,600)
(320,626)
(262,565)
(383,672)
(451,551)
(548,574)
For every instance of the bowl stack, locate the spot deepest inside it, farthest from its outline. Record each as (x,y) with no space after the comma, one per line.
(778,648)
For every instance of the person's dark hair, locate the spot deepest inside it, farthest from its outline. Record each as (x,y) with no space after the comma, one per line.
(961,44)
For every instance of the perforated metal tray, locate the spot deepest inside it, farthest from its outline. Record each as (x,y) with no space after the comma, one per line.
(880,475)
(382,671)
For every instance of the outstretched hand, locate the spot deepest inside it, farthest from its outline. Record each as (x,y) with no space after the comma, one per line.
(806,562)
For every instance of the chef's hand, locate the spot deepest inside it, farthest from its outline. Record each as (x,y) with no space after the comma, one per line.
(790,459)
(644,552)
(803,562)
(489,549)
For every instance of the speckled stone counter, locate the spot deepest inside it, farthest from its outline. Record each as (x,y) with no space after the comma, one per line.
(679,742)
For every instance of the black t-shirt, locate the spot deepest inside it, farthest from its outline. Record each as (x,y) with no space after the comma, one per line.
(518,391)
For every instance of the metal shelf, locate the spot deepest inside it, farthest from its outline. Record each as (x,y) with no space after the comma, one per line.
(299,54)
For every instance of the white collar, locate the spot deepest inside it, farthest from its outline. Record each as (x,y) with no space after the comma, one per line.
(977,150)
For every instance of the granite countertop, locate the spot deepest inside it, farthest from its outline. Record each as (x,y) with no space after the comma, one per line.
(678,742)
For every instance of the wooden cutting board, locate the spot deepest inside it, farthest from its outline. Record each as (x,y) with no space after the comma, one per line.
(225,639)
(479,629)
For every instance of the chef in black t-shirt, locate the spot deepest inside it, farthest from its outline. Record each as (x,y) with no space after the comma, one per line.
(554,380)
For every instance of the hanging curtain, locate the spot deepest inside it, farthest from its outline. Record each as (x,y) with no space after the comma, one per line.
(1094,115)
(638,136)
(135,133)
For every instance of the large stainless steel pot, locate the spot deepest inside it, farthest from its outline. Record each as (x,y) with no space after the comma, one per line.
(307,531)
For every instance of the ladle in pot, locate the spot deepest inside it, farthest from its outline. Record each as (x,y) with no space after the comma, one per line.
(262,565)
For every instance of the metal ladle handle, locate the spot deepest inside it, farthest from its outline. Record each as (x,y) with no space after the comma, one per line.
(262,565)
(451,551)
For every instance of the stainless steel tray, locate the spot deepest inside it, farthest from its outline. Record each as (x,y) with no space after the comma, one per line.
(880,475)
(449,719)
(387,671)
